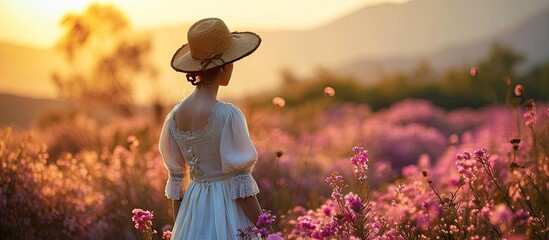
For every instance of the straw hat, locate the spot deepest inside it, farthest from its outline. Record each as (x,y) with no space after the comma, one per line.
(211,44)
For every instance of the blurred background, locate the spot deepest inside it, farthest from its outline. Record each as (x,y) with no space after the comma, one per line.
(85,86)
(58,50)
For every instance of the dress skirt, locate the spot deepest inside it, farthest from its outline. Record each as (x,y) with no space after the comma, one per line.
(207,211)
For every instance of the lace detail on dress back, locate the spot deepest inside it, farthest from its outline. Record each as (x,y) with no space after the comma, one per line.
(190,142)
(185,135)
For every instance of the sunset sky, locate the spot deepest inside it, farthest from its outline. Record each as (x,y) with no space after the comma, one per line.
(36,22)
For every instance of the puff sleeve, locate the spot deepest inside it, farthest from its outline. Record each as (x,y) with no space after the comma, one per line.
(173,160)
(238,154)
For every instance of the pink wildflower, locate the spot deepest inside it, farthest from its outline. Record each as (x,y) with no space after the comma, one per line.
(166,235)
(501,215)
(522,217)
(279,102)
(466,166)
(486,212)
(531,115)
(133,142)
(432,207)
(336,183)
(304,226)
(482,155)
(142,219)
(329,91)
(326,231)
(329,208)
(360,162)
(423,221)
(474,71)
(353,202)
(454,229)
(518,90)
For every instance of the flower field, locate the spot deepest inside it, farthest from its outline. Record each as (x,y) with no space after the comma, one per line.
(325,171)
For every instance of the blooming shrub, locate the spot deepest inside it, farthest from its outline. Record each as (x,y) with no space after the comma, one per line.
(484,196)
(40,199)
(413,185)
(80,195)
(261,230)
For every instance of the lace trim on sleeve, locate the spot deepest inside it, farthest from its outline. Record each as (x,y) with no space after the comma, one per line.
(173,186)
(243,185)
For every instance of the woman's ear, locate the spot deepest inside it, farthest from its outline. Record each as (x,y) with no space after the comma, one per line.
(226,72)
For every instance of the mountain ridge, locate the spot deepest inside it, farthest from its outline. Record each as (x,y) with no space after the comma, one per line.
(536,51)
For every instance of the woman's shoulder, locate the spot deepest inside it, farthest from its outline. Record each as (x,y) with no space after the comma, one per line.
(176,105)
(227,105)
(229,109)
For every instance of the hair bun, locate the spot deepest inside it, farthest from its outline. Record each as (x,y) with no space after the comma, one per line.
(192,78)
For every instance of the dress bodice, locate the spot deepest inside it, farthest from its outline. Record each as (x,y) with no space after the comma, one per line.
(222,150)
(200,149)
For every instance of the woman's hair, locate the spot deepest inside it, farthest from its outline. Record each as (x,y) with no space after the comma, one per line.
(203,78)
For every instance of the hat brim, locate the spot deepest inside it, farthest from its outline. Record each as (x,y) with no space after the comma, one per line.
(244,44)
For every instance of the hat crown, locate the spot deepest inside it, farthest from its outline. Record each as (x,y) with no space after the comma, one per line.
(208,37)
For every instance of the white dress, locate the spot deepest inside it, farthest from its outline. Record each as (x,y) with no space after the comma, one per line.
(220,159)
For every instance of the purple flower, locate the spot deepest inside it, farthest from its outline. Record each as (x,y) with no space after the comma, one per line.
(481,153)
(522,217)
(423,221)
(305,226)
(432,207)
(353,202)
(485,212)
(261,231)
(265,218)
(326,231)
(360,162)
(142,219)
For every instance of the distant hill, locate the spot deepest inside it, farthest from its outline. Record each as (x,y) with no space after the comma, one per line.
(529,37)
(22,112)
(383,38)
(26,71)
(395,34)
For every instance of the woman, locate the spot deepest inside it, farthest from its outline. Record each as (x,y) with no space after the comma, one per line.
(210,139)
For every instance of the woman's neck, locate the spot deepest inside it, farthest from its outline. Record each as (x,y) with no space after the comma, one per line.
(207,92)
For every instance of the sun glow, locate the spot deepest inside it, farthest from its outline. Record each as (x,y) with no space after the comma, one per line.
(36,22)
